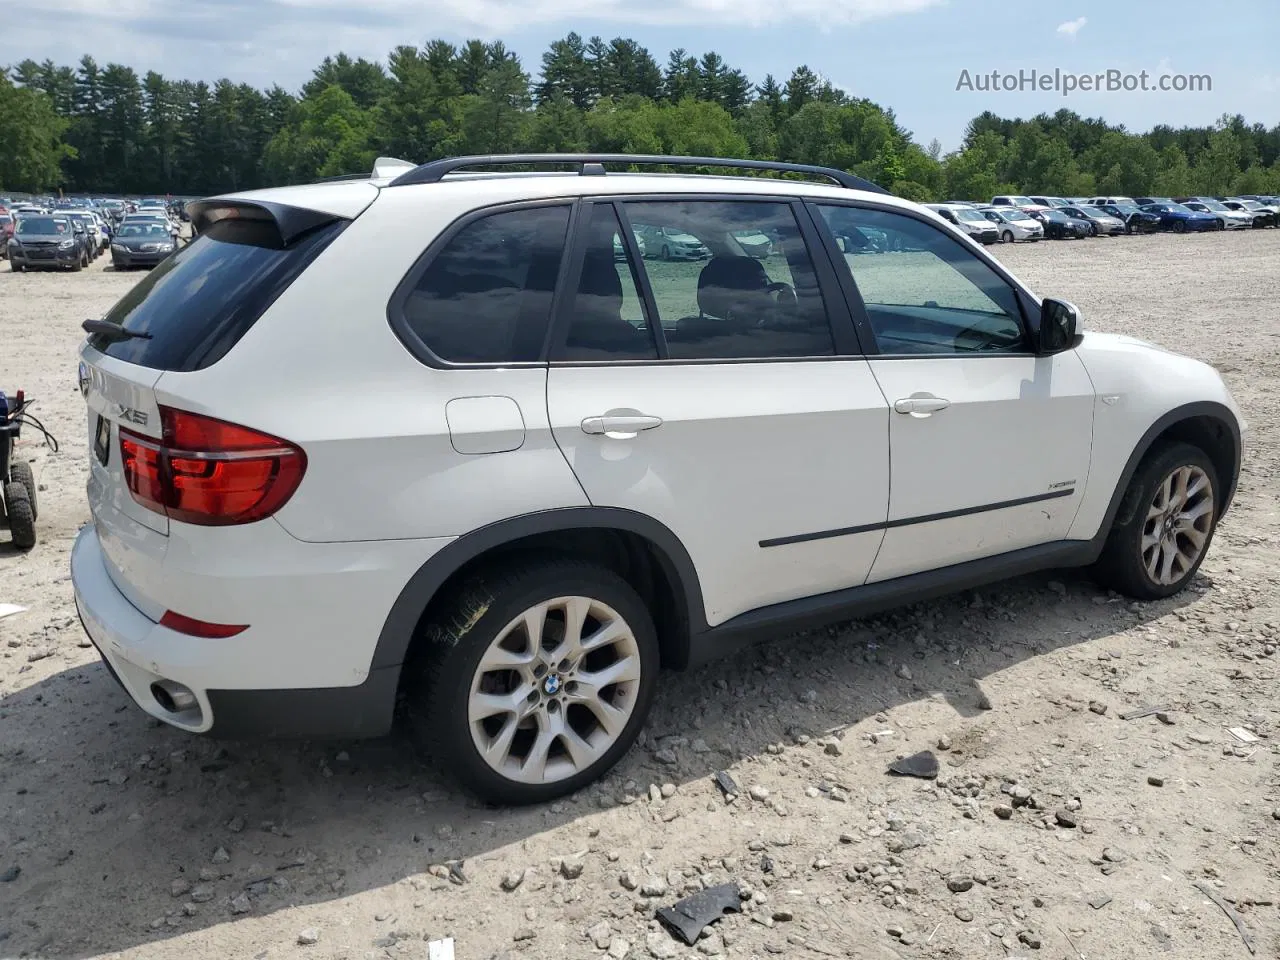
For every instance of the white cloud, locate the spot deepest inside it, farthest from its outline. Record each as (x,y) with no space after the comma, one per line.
(1072,27)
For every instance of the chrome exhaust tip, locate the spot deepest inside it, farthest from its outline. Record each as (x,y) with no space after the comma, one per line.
(173,697)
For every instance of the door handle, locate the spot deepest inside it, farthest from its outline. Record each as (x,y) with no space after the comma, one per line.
(619,427)
(921,406)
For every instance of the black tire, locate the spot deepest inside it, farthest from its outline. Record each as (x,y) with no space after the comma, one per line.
(1006,237)
(13,265)
(1093,229)
(1179,226)
(439,674)
(22,519)
(666,253)
(1120,565)
(78,265)
(20,472)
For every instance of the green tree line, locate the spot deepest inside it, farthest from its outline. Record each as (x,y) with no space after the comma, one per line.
(107,130)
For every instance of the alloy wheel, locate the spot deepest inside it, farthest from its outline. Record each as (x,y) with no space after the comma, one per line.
(555,690)
(1179,522)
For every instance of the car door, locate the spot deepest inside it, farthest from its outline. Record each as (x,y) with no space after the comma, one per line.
(989,443)
(723,397)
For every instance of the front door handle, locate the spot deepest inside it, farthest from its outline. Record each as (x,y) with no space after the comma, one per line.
(921,405)
(619,427)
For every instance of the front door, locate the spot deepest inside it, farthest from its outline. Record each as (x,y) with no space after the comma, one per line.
(989,443)
(715,396)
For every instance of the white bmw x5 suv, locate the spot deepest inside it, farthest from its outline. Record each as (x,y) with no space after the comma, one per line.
(450,439)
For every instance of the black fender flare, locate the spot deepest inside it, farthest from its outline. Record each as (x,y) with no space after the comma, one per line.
(398,629)
(1204,408)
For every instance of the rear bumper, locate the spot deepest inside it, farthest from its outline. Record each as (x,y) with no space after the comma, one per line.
(139,653)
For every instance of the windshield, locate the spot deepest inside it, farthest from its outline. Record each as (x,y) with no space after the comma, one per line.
(1015,215)
(1177,208)
(1022,202)
(143,230)
(1212,205)
(43,227)
(1251,204)
(970,215)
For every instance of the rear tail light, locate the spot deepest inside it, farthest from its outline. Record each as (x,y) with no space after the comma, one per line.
(210,472)
(199,628)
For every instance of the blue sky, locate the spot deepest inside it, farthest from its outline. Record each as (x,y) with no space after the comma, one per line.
(905,54)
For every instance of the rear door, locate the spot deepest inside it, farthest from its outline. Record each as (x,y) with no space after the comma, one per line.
(184,315)
(723,397)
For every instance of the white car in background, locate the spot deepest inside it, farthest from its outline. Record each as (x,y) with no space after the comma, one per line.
(552,474)
(967,220)
(1013,224)
(1230,219)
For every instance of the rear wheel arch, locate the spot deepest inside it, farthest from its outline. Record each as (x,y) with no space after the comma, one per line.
(1207,425)
(640,549)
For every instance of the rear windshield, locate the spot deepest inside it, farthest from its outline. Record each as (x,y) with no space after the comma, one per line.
(204,297)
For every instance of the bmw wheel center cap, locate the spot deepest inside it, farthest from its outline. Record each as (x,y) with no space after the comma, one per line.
(551,685)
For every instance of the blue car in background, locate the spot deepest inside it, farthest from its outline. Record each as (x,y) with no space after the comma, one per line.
(1180,219)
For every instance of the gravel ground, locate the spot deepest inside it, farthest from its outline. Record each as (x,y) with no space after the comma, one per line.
(1057,828)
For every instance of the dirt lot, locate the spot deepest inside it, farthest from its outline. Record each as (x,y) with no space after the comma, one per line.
(128,838)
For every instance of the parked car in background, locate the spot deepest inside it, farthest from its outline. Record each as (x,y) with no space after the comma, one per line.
(1100,222)
(90,226)
(1014,224)
(1054,202)
(968,220)
(1058,226)
(1014,200)
(754,243)
(47,243)
(620,250)
(1263,215)
(1136,220)
(671,243)
(1176,217)
(6,231)
(1228,219)
(1103,201)
(141,244)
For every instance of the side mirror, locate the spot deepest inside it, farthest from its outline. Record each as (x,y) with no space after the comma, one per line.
(1059,323)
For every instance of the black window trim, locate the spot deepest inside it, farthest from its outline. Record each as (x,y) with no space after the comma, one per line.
(1028,305)
(844,337)
(399,322)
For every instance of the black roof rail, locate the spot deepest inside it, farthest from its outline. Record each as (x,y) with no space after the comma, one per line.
(341,178)
(592,164)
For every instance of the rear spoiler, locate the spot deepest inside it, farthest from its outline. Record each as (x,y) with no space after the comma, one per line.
(292,222)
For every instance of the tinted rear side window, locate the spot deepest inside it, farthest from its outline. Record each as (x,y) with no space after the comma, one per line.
(485,296)
(204,297)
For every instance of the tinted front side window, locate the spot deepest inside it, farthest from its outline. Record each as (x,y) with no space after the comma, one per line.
(925,292)
(731,279)
(486,296)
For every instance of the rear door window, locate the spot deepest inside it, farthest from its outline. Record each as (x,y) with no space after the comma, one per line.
(205,296)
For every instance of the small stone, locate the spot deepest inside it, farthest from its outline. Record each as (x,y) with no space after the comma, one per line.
(1073,804)
(618,949)
(629,881)
(526,933)
(241,904)
(236,824)
(601,934)
(904,672)
(959,883)
(309,936)
(179,887)
(1003,811)
(700,746)
(1021,795)
(654,888)
(1030,938)
(661,947)
(832,748)
(1065,818)
(1165,718)
(1155,781)
(202,893)
(571,869)
(711,945)
(964,914)
(666,756)
(783,916)
(895,930)
(220,856)
(759,793)
(944,743)
(1112,855)
(1099,901)
(513,880)
(1099,708)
